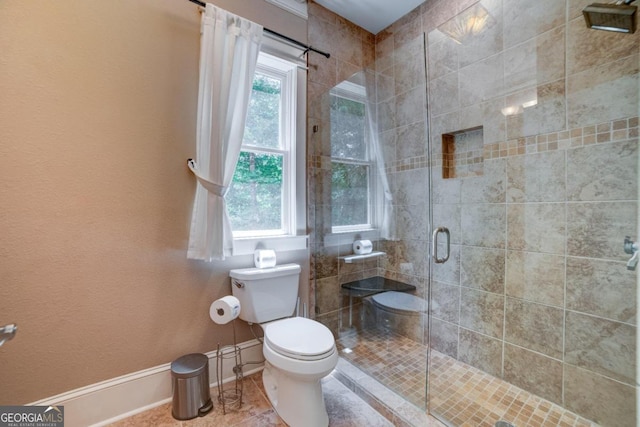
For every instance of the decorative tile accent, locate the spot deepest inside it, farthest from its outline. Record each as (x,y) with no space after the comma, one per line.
(574,137)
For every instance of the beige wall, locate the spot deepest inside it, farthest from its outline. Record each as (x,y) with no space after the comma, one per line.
(97,119)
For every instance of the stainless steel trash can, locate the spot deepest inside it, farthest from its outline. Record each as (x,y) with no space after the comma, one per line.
(190,384)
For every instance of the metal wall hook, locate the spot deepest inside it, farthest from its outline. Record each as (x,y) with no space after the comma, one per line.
(7,332)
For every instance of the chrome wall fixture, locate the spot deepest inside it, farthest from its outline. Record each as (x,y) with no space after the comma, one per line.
(7,332)
(631,248)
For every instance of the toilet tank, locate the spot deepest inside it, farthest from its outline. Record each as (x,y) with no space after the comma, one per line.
(266,294)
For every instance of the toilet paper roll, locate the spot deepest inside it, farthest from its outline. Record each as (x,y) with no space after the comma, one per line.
(264,258)
(224,310)
(361,247)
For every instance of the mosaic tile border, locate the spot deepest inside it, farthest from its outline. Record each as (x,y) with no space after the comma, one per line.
(616,130)
(612,131)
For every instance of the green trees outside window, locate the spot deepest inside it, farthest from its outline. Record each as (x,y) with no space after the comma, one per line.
(255,199)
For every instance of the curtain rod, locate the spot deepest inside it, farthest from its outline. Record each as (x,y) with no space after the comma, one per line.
(282,36)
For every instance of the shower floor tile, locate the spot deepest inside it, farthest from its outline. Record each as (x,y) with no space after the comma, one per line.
(397,362)
(462,395)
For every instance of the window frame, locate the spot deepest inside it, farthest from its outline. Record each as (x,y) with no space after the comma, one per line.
(285,71)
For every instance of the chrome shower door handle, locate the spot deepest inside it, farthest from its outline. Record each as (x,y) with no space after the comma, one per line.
(434,242)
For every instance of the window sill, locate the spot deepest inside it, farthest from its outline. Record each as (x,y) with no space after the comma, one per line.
(246,246)
(347,238)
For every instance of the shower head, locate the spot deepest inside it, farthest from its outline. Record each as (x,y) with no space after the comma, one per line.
(611,17)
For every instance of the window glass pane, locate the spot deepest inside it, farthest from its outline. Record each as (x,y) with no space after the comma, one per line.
(263,119)
(348,129)
(254,201)
(349,194)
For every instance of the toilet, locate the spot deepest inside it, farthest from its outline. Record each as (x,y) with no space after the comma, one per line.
(298,351)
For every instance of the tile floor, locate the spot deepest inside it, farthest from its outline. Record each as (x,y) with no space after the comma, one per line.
(344,407)
(461,395)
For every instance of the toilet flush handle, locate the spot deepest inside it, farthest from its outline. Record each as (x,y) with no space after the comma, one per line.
(238,284)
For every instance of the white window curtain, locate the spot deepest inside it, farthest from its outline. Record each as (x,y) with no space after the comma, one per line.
(229,48)
(384,199)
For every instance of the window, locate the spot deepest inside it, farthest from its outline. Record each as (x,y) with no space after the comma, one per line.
(351,162)
(262,197)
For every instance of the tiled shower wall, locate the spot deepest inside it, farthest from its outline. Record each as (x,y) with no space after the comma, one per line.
(536,291)
(352,51)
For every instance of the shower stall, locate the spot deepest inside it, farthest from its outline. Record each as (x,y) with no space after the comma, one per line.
(490,150)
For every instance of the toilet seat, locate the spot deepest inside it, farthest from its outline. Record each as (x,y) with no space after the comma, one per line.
(300,338)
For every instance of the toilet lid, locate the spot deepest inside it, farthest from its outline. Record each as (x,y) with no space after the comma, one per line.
(401,302)
(300,338)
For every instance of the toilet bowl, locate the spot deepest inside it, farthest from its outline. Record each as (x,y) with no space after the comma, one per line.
(298,351)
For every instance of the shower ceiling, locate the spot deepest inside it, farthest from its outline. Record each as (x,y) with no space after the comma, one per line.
(372,15)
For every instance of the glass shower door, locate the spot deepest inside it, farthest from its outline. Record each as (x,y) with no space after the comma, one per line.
(533,141)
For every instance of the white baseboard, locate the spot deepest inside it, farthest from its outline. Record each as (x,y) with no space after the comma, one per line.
(112,400)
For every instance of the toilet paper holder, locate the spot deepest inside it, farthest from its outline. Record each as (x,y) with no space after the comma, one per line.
(232,396)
